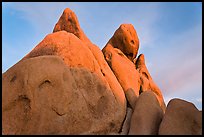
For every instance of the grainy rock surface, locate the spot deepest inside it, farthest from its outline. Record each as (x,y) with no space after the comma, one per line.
(147,115)
(68,22)
(42,95)
(125,38)
(147,83)
(126,74)
(181,118)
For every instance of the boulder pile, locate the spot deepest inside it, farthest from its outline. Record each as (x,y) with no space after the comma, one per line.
(67,85)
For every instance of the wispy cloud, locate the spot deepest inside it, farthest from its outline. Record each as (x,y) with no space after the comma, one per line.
(144,23)
(177,69)
(181,64)
(199,100)
(43,15)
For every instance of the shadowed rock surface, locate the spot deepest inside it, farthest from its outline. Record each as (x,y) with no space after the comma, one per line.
(43,96)
(181,118)
(147,115)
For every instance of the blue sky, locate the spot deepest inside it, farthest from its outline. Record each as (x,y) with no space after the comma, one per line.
(170,36)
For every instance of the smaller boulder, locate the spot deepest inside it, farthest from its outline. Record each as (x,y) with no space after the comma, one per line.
(147,115)
(181,118)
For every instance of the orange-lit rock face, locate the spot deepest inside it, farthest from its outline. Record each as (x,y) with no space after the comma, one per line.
(126,74)
(109,76)
(69,22)
(125,38)
(75,54)
(181,118)
(147,83)
(120,52)
(70,48)
(42,95)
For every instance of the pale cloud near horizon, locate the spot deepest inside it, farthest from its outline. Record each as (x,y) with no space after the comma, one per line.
(179,73)
(199,100)
(180,67)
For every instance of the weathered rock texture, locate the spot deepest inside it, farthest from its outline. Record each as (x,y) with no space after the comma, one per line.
(119,52)
(43,96)
(66,45)
(69,22)
(147,115)
(67,85)
(147,83)
(125,38)
(181,118)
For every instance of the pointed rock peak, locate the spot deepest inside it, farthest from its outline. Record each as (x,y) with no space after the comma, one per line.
(67,10)
(140,61)
(69,22)
(125,38)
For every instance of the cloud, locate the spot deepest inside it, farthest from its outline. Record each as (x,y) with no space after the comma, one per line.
(180,66)
(42,15)
(175,63)
(199,100)
(144,23)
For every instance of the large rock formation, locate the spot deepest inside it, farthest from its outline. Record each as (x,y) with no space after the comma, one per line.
(43,96)
(119,52)
(66,45)
(126,74)
(67,85)
(181,118)
(69,22)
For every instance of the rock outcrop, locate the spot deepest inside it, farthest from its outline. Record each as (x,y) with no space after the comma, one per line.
(181,118)
(119,52)
(68,22)
(67,85)
(66,45)
(125,38)
(147,83)
(126,74)
(147,115)
(42,95)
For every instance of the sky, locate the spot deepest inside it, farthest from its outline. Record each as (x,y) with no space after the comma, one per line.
(170,35)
